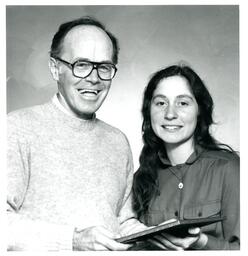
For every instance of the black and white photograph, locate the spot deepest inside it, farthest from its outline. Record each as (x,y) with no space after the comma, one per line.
(122,127)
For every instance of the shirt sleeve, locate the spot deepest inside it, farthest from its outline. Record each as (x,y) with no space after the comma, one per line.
(23,232)
(230,209)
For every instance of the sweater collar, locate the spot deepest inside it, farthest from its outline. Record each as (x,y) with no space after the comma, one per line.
(56,101)
(192,158)
(60,113)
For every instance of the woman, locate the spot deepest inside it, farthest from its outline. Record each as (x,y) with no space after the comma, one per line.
(184,172)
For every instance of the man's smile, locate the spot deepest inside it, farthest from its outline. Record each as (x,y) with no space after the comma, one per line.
(89,94)
(88,91)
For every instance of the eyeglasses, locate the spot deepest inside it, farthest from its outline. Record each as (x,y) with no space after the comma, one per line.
(82,68)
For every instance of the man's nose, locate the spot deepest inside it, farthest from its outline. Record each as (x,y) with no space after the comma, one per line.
(170,112)
(93,77)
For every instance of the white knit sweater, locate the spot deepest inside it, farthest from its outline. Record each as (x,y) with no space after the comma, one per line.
(64,172)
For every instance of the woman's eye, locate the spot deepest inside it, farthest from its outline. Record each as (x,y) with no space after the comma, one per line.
(183,103)
(160,103)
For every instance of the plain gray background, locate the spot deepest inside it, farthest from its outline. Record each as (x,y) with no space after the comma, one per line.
(150,37)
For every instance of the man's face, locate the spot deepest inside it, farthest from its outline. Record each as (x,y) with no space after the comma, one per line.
(84,96)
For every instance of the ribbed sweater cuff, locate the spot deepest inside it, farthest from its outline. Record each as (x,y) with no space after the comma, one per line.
(40,237)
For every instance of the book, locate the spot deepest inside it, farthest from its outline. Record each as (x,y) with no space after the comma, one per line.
(174,227)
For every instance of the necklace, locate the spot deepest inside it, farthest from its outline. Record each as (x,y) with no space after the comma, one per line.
(179,174)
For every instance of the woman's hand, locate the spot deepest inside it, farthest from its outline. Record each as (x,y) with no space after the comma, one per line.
(195,240)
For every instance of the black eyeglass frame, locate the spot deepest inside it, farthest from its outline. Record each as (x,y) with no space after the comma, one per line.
(95,65)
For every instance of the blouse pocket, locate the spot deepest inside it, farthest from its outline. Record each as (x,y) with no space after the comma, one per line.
(209,209)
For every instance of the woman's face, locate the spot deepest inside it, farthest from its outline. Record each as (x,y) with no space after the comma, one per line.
(174,111)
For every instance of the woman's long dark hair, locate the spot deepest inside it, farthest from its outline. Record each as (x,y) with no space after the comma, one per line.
(145,185)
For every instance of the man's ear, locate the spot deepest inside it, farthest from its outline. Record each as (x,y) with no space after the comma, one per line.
(53,68)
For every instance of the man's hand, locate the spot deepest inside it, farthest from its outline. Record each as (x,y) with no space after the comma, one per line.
(96,239)
(196,240)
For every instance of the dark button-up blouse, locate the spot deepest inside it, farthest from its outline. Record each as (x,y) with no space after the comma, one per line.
(206,185)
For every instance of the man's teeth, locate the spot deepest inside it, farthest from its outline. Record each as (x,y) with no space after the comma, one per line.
(82,91)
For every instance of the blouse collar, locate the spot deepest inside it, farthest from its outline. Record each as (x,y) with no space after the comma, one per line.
(192,158)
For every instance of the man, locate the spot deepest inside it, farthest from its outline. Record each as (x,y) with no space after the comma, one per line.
(70,174)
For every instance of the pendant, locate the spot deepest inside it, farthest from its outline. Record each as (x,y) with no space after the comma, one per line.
(180,185)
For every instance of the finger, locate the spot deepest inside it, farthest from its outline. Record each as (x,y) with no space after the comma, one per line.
(112,245)
(188,241)
(100,247)
(167,243)
(157,243)
(181,242)
(105,240)
(194,231)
